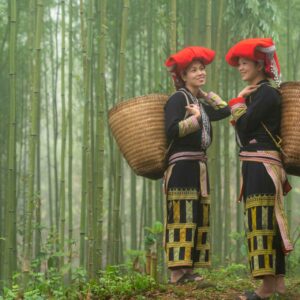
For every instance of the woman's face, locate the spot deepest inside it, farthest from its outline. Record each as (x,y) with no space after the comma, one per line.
(195,75)
(249,69)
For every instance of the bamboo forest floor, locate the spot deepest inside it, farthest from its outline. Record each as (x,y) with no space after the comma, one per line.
(220,289)
(122,283)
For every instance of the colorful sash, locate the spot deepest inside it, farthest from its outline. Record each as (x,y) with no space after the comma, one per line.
(189,155)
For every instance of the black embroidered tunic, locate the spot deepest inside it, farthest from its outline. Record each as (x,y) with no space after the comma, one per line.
(187,225)
(175,112)
(264,105)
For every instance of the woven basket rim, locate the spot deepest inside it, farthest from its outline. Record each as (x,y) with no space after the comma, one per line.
(289,83)
(134,99)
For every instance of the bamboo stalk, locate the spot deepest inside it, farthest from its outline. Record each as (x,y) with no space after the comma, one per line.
(70,141)
(62,197)
(120,96)
(33,141)
(10,208)
(54,79)
(84,146)
(173,37)
(153,271)
(50,196)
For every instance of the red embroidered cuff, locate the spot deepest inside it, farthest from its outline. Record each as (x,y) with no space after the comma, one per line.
(237,100)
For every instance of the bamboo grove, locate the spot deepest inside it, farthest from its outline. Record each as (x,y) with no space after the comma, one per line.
(67,197)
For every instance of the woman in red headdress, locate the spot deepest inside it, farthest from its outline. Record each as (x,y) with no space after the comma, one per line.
(188,113)
(256,116)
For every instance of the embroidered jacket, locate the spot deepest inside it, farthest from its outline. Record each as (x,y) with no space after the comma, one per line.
(263,106)
(185,132)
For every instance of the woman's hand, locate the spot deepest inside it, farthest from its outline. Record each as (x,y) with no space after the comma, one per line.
(194,109)
(248,90)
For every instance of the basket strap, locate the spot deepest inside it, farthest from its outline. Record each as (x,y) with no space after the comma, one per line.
(277,143)
(185,116)
(187,101)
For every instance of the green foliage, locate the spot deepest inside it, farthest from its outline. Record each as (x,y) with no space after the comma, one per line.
(136,258)
(293,260)
(115,281)
(153,233)
(251,18)
(121,282)
(232,271)
(239,236)
(234,276)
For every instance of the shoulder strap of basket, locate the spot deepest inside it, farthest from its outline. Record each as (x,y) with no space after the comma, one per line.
(187,103)
(186,114)
(276,142)
(279,140)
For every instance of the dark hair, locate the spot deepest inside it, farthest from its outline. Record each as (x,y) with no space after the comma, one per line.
(264,70)
(179,82)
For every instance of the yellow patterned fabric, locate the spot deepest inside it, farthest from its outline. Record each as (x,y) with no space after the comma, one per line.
(187,229)
(188,126)
(260,232)
(215,100)
(238,110)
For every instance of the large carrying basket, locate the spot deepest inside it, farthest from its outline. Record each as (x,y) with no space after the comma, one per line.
(138,127)
(290,123)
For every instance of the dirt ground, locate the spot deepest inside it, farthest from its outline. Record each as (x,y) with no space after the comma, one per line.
(208,290)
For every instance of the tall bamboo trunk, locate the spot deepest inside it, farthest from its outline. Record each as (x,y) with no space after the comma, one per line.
(213,170)
(10,209)
(50,196)
(143,213)
(84,145)
(62,194)
(227,178)
(54,134)
(112,171)
(35,97)
(239,211)
(70,141)
(173,37)
(221,221)
(133,212)
(120,96)
(54,79)
(90,142)
(133,181)
(38,226)
(100,133)
(195,34)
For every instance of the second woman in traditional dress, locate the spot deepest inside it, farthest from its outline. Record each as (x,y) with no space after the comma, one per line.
(256,116)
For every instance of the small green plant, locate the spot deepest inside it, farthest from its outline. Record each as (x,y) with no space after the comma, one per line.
(119,281)
(153,233)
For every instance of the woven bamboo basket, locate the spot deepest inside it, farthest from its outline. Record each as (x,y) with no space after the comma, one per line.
(138,127)
(290,122)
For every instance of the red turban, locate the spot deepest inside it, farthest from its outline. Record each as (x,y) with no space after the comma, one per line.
(257,49)
(179,61)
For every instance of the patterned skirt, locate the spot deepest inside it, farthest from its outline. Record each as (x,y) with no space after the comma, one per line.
(187,215)
(265,250)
